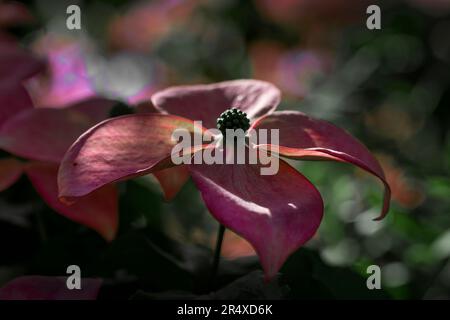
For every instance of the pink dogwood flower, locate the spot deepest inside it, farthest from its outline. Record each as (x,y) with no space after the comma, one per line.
(40,137)
(40,122)
(276,214)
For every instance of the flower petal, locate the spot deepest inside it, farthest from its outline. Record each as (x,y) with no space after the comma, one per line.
(276,213)
(96,108)
(172,180)
(14,13)
(302,137)
(10,171)
(97,211)
(207,102)
(45,134)
(234,246)
(7,39)
(49,288)
(13,99)
(119,148)
(17,64)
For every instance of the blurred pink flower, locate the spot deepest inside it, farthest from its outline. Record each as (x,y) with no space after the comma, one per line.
(41,136)
(405,190)
(267,211)
(14,13)
(309,12)
(235,246)
(319,23)
(294,71)
(66,80)
(147,22)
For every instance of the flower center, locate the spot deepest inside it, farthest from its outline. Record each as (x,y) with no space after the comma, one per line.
(233,119)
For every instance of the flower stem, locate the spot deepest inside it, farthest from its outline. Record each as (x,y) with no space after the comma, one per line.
(215,265)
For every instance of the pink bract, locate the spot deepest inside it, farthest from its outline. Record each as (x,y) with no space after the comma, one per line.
(42,135)
(276,214)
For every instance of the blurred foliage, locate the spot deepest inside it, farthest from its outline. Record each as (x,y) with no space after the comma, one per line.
(389,88)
